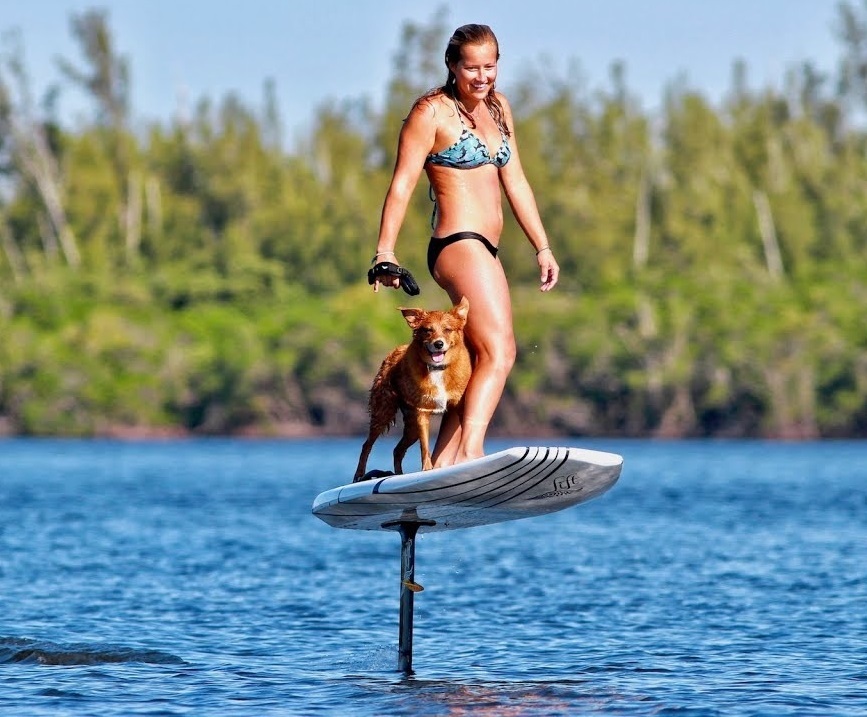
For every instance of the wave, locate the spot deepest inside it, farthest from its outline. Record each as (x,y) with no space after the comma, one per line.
(40,652)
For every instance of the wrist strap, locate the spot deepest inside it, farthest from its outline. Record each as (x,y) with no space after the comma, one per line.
(407,280)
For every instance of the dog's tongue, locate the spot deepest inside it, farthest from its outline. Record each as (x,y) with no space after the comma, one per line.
(438,357)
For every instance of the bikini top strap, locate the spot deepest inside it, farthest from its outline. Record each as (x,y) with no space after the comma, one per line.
(490,111)
(460,114)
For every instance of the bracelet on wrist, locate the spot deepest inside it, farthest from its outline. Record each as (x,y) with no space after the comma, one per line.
(539,251)
(382,253)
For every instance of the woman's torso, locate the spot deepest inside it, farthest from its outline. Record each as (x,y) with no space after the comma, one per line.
(468,199)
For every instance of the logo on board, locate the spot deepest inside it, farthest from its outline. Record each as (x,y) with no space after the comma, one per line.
(566,483)
(562,485)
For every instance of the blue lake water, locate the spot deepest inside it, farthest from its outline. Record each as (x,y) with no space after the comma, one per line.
(190,578)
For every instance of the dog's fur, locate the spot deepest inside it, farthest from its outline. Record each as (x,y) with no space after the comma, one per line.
(424,377)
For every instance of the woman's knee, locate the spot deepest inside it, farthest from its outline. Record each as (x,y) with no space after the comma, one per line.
(498,356)
(507,353)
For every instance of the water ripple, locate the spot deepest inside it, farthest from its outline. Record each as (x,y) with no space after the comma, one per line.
(17,649)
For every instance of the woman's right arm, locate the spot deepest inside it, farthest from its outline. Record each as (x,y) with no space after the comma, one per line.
(416,141)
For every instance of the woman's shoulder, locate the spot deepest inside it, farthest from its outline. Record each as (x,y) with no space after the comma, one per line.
(501,98)
(431,101)
(431,106)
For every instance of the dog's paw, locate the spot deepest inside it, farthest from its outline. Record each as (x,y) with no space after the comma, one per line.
(374,473)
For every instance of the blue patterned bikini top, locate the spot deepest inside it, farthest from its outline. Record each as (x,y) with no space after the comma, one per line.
(470,152)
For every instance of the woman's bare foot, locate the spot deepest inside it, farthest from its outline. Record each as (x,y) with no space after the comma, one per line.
(464,457)
(472,443)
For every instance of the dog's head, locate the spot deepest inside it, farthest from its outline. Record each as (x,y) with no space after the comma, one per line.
(437,331)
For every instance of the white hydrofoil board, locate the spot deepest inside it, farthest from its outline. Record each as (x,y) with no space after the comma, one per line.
(515,483)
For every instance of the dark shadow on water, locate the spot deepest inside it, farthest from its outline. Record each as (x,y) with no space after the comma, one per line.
(430,696)
(39,652)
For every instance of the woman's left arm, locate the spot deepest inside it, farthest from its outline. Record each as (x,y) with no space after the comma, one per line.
(521,199)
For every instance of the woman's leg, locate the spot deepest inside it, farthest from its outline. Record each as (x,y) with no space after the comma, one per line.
(448,439)
(467,268)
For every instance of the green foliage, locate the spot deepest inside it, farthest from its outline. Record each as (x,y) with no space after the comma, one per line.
(714,258)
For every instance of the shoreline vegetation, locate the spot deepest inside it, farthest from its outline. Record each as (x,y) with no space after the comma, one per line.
(196,277)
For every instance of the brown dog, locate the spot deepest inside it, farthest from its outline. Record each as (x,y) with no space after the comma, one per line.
(424,377)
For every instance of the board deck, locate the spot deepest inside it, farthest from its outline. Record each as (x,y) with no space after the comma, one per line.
(519,482)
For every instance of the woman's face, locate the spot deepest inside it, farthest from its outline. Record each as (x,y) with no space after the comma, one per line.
(476,71)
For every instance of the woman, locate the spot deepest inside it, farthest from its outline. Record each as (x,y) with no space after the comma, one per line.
(448,133)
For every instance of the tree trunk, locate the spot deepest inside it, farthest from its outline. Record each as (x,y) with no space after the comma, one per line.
(769,234)
(154,207)
(132,216)
(13,254)
(641,245)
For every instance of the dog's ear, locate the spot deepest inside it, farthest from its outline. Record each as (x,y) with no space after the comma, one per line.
(413,316)
(462,309)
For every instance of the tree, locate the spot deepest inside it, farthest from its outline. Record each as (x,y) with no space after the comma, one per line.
(852,32)
(105,78)
(30,152)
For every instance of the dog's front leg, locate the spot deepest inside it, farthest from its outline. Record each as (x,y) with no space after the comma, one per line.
(423,424)
(410,436)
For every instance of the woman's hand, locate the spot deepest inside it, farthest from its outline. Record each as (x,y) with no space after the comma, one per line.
(389,273)
(550,270)
(386,280)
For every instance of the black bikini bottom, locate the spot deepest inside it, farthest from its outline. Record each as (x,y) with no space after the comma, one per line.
(437,244)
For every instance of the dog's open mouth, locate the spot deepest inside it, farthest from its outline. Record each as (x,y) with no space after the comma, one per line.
(437,357)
